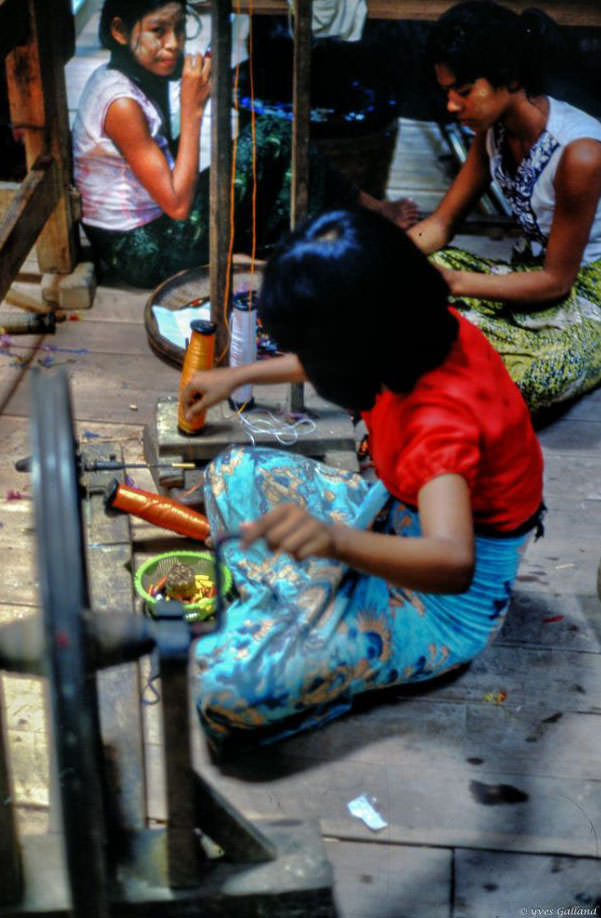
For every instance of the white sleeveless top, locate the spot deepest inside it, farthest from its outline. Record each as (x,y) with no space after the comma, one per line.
(530,191)
(112,197)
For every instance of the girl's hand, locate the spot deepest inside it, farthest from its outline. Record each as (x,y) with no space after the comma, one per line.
(196,85)
(206,388)
(291,529)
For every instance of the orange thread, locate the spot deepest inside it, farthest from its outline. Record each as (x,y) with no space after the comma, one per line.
(253,135)
(200,355)
(161,511)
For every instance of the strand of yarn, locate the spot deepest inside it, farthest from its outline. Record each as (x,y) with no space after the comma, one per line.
(264,422)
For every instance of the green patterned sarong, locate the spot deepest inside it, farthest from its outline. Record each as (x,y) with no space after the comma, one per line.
(147,255)
(553,354)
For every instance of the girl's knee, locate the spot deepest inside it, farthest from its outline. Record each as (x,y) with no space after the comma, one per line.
(225,708)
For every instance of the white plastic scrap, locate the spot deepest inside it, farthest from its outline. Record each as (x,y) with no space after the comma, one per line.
(363,809)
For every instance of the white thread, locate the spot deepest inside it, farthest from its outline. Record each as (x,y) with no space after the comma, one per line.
(243,347)
(286,434)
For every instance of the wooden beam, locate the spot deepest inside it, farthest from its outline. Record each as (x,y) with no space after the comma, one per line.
(109,554)
(301,93)
(31,206)
(14,25)
(38,100)
(10,861)
(301,124)
(565,12)
(220,173)
(7,193)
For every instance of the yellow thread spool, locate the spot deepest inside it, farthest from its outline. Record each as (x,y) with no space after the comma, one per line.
(200,355)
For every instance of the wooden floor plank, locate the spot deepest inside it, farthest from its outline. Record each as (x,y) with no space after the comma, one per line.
(539,618)
(469,741)
(103,337)
(571,479)
(572,436)
(552,679)
(123,389)
(534,814)
(109,556)
(489,883)
(565,561)
(25,714)
(390,881)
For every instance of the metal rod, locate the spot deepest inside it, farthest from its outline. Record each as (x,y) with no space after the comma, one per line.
(110,465)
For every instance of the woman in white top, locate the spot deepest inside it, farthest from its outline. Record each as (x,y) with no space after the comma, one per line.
(542,312)
(145,206)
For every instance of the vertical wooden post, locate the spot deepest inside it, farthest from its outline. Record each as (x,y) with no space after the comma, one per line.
(301,104)
(220,172)
(10,862)
(38,99)
(184,853)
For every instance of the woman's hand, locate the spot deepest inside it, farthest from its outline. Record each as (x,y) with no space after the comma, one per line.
(207,388)
(195,86)
(291,529)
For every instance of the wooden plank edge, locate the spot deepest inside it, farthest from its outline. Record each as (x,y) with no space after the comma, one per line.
(25,218)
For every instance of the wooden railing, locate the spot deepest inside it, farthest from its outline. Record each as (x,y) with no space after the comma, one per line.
(566,12)
(36,40)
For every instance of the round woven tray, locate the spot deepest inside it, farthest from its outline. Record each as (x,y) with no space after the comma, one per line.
(177,292)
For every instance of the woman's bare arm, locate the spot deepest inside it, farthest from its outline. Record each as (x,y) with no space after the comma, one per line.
(577,189)
(209,387)
(436,231)
(127,127)
(440,561)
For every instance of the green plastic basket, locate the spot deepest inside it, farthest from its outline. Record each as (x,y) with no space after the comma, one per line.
(201,562)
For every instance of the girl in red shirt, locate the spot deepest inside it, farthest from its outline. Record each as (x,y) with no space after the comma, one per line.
(332,604)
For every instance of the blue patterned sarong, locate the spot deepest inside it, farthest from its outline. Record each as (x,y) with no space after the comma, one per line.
(303,638)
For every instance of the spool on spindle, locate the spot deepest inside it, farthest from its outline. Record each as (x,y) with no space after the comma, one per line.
(158,510)
(243,350)
(200,355)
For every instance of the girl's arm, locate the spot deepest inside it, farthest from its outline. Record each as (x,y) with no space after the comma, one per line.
(471,181)
(208,387)
(439,561)
(577,191)
(127,127)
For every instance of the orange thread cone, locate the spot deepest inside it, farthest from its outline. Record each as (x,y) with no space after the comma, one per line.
(161,511)
(200,355)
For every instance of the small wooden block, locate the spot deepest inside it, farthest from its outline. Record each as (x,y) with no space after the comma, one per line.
(71,291)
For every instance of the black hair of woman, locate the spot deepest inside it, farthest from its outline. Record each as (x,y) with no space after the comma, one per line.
(129,12)
(360,305)
(483,39)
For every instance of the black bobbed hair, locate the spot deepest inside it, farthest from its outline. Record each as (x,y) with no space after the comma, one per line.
(130,12)
(484,39)
(359,303)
